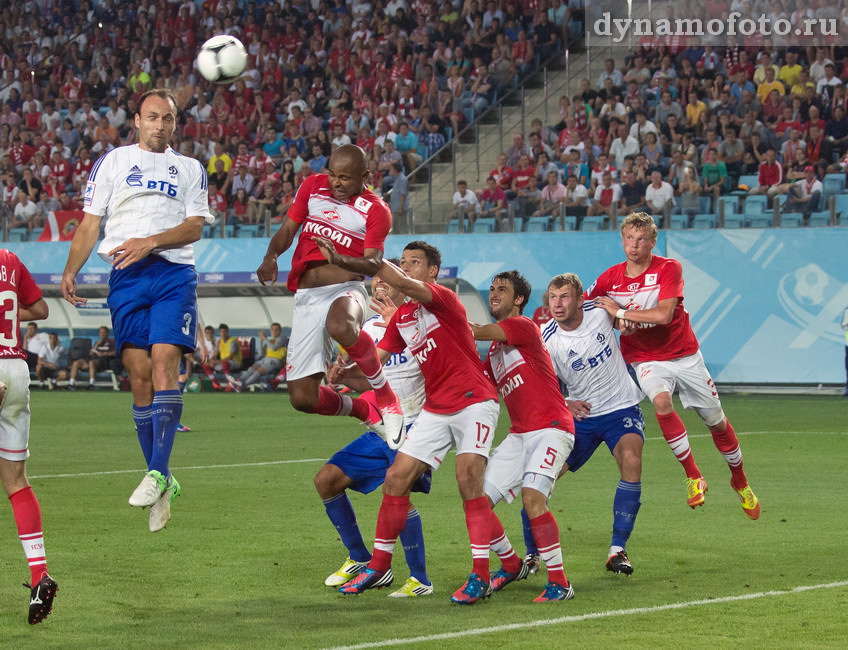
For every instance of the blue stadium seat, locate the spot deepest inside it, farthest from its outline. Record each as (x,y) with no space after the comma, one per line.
(791,220)
(705,204)
(704,221)
(679,221)
(780,199)
(18,234)
(518,224)
(834,180)
(843,220)
(570,224)
(736,221)
(751,180)
(760,221)
(819,219)
(730,203)
(536,224)
(485,224)
(593,223)
(248,231)
(841,203)
(453,226)
(756,204)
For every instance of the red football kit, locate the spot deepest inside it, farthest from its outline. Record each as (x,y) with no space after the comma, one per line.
(438,336)
(525,377)
(16,288)
(361,222)
(661,280)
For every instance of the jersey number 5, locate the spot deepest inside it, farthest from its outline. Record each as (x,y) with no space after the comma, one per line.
(550,458)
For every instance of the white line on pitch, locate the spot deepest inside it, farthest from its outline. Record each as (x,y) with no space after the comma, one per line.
(586,617)
(133,471)
(315,460)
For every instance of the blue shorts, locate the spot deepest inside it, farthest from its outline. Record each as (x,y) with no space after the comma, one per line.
(153,301)
(365,462)
(609,428)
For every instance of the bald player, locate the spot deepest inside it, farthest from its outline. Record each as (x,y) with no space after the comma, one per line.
(330,300)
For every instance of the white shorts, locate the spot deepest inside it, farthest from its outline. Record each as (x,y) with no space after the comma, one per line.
(14,414)
(470,430)
(310,347)
(688,374)
(521,455)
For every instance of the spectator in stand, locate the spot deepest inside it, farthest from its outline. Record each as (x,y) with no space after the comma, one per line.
(576,197)
(519,148)
(217,204)
(434,140)
(272,358)
(805,195)
(632,194)
(607,197)
(399,199)
(659,197)
(34,342)
(227,358)
(262,207)
(770,175)
(542,314)
(27,214)
(624,145)
(524,188)
(552,196)
(493,200)
(49,369)
(714,176)
(101,357)
(466,205)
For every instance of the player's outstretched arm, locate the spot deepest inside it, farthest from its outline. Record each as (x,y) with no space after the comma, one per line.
(415,289)
(368,264)
(659,315)
(279,244)
(83,243)
(491,332)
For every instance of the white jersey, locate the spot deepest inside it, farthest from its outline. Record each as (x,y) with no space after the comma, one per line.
(403,374)
(143,193)
(589,362)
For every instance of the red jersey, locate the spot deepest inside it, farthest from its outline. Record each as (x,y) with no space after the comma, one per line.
(359,223)
(662,279)
(60,170)
(437,334)
(541,316)
(526,380)
(17,288)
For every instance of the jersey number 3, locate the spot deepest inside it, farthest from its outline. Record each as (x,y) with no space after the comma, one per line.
(187,326)
(8,318)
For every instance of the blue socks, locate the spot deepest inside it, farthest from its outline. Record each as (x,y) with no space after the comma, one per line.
(166,411)
(144,430)
(181,384)
(625,507)
(412,538)
(529,542)
(340,511)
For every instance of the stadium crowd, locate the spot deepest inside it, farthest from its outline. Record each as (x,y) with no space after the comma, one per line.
(397,78)
(669,129)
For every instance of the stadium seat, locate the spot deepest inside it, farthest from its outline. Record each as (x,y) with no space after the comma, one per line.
(843,220)
(791,220)
(251,230)
(736,221)
(705,204)
(536,224)
(760,221)
(593,223)
(484,224)
(730,204)
(751,180)
(453,226)
(703,221)
(754,205)
(841,203)
(836,181)
(819,219)
(780,199)
(207,232)
(18,234)
(679,221)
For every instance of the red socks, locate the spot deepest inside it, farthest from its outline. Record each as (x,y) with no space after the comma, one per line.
(478,519)
(332,403)
(546,534)
(28,519)
(728,444)
(390,522)
(364,353)
(674,432)
(501,545)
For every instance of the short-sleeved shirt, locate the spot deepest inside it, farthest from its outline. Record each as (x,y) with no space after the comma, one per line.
(661,280)
(525,378)
(361,222)
(17,289)
(713,174)
(438,336)
(143,193)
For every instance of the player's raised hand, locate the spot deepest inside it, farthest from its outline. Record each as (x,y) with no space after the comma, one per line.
(328,250)
(610,305)
(579,409)
(131,251)
(384,306)
(69,290)
(267,271)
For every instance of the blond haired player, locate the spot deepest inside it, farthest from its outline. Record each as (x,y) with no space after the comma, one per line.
(646,293)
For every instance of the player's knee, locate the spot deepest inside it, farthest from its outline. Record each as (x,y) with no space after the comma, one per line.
(302,401)
(714,418)
(326,483)
(663,403)
(631,466)
(343,330)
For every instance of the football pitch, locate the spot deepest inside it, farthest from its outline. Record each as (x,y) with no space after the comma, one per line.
(244,558)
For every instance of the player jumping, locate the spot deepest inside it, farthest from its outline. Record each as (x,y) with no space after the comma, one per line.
(541,437)
(603,399)
(647,291)
(460,410)
(330,298)
(21,301)
(361,466)
(155,201)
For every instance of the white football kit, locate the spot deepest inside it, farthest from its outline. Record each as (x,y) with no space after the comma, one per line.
(589,362)
(143,193)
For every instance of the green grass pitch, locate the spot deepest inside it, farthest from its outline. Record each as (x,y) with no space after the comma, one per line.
(244,558)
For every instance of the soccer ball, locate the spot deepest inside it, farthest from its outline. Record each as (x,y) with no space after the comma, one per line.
(222,59)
